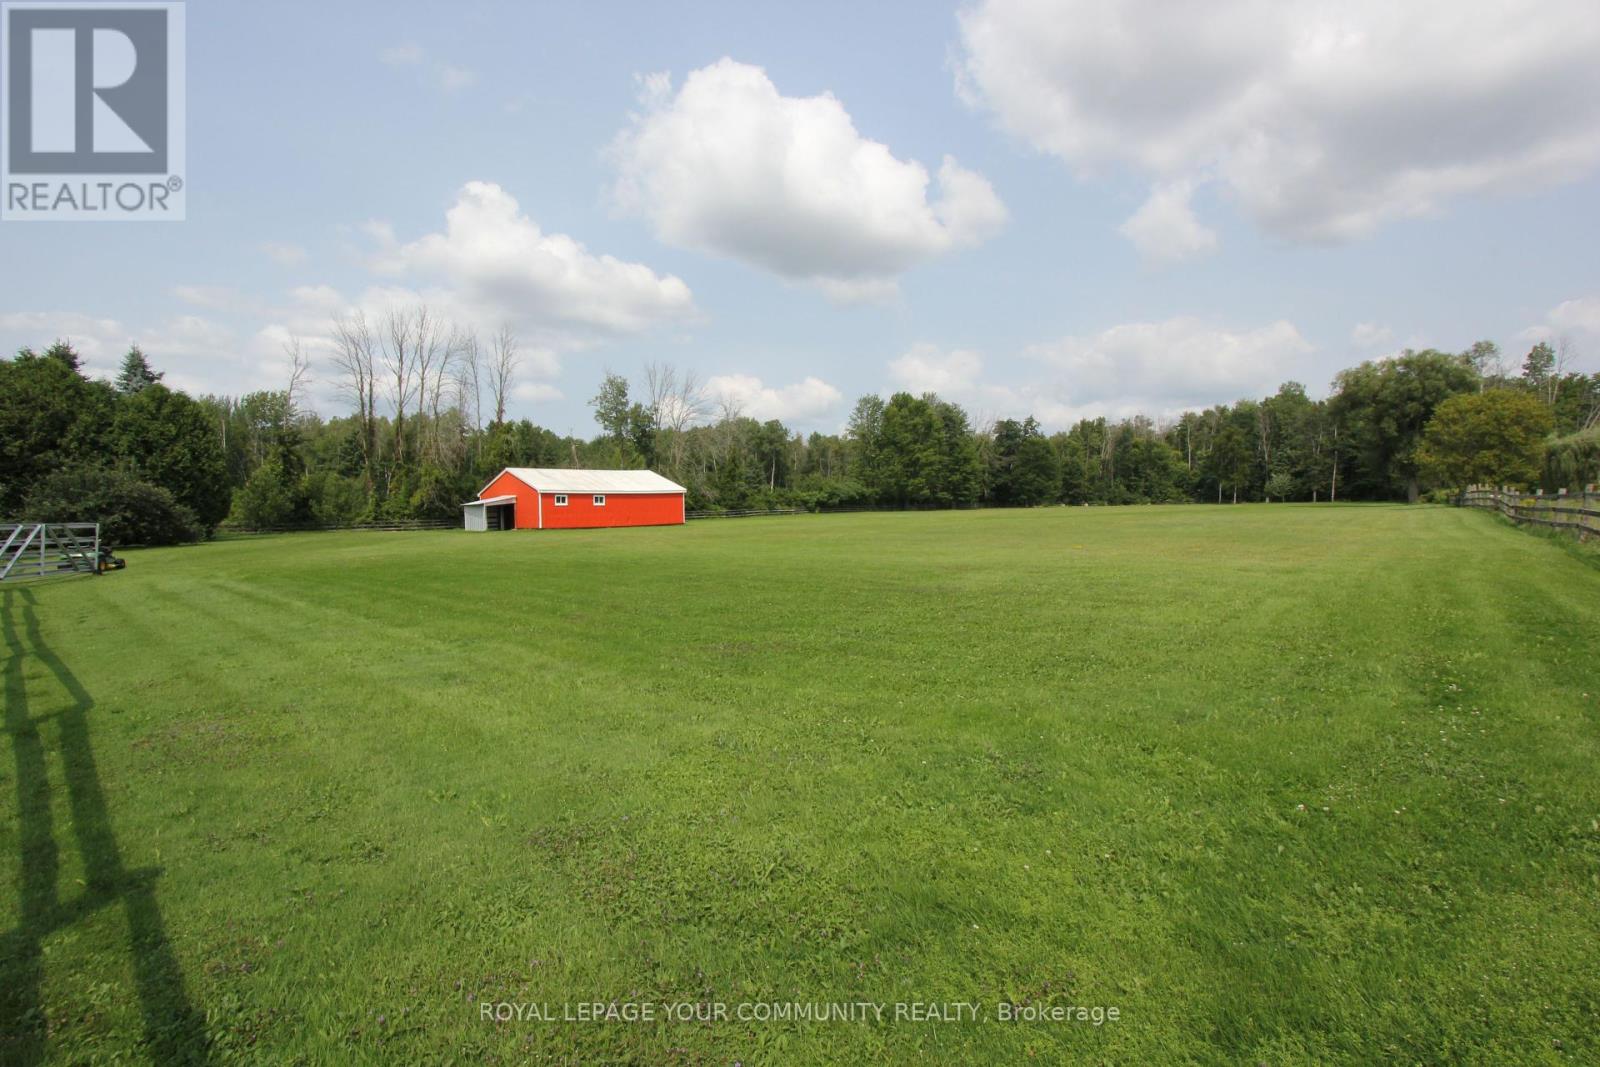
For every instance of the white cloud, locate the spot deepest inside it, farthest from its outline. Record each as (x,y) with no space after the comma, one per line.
(1174,364)
(1165,229)
(197,354)
(1322,120)
(284,253)
(959,375)
(536,392)
(490,266)
(1157,369)
(730,166)
(496,265)
(1578,316)
(1574,324)
(802,402)
(101,342)
(1370,335)
(928,369)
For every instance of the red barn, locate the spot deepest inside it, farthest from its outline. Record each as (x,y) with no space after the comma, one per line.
(546,498)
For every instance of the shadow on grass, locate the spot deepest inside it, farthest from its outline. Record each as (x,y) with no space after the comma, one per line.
(174,1031)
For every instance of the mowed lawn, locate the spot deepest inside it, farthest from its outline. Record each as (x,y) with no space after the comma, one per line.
(1282,784)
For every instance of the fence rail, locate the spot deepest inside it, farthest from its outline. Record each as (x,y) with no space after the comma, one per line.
(48,549)
(744,513)
(394,524)
(1579,512)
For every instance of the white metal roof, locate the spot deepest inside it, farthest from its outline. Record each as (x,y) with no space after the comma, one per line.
(490,500)
(559,480)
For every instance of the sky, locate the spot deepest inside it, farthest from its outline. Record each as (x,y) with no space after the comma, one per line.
(1064,209)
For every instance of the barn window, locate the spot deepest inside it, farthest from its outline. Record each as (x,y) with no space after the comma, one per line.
(599,500)
(561,500)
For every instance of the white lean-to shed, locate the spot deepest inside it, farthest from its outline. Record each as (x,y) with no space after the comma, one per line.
(491,513)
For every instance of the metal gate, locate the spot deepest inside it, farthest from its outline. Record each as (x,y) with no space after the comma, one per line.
(48,549)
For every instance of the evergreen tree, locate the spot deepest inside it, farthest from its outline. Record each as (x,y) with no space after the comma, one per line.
(65,353)
(136,373)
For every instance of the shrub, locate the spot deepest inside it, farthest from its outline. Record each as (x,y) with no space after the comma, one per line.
(129,511)
(1280,486)
(266,500)
(334,499)
(1573,462)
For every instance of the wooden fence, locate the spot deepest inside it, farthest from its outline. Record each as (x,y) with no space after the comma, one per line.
(746,513)
(1578,512)
(395,524)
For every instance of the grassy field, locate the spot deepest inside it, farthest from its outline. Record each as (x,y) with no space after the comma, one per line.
(1285,784)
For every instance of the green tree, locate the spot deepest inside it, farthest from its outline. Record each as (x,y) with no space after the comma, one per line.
(50,417)
(1280,485)
(170,442)
(770,444)
(865,434)
(1539,364)
(1025,469)
(1495,437)
(928,452)
(1485,359)
(642,434)
(63,352)
(1230,460)
(1385,405)
(1075,480)
(266,500)
(1149,470)
(1573,461)
(611,409)
(136,373)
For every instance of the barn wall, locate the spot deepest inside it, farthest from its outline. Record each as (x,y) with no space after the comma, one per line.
(621,509)
(527,500)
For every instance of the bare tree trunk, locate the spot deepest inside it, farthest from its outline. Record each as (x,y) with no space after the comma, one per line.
(397,361)
(354,358)
(432,354)
(1562,361)
(502,370)
(299,373)
(676,402)
(1333,487)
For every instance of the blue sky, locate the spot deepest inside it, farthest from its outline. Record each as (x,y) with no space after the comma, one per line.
(1140,211)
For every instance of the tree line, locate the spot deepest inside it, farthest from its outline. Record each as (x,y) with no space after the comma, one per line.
(428,425)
